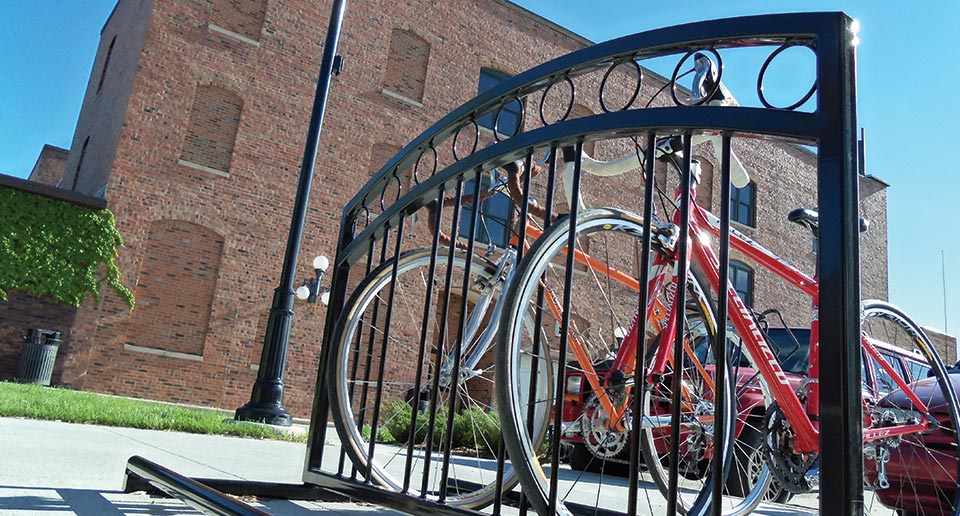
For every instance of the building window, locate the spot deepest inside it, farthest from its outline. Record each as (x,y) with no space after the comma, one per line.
(106,63)
(496,214)
(741,277)
(406,72)
(511,115)
(743,204)
(242,18)
(213,129)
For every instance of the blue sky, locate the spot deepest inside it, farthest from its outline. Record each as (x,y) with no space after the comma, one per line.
(909,87)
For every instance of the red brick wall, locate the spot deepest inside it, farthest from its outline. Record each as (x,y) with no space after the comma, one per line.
(243,17)
(407,65)
(175,288)
(213,128)
(49,166)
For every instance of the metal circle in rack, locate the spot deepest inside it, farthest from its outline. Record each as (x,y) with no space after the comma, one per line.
(496,119)
(677,75)
(636,89)
(546,92)
(396,176)
(456,139)
(416,166)
(763,73)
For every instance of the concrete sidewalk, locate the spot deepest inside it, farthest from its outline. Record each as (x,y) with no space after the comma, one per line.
(55,468)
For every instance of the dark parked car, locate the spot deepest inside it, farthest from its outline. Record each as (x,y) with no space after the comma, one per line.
(792,350)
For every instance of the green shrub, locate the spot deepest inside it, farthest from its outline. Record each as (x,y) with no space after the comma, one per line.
(476,429)
(50,247)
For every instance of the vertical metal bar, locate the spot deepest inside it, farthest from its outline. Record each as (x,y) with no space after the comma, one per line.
(521,238)
(424,330)
(640,372)
(356,363)
(378,394)
(679,304)
(368,366)
(441,338)
(841,473)
(541,292)
(721,358)
(321,407)
(458,343)
(565,320)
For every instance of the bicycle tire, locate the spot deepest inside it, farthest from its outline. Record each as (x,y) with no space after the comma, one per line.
(619,233)
(353,397)
(923,467)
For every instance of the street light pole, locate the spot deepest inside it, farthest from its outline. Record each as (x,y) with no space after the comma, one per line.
(266,400)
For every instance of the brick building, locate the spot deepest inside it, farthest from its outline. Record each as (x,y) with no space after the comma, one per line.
(49,166)
(193,128)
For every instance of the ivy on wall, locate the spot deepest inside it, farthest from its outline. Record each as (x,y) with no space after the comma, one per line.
(56,248)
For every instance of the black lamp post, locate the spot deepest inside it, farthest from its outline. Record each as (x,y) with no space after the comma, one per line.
(266,400)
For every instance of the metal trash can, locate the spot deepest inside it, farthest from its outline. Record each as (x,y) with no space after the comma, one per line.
(39,353)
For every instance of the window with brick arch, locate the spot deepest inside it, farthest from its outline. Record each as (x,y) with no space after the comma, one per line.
(406,72)
(175,288)
(212,132)
(242,17)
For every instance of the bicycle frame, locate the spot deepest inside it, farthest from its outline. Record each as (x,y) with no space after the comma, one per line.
(802,414)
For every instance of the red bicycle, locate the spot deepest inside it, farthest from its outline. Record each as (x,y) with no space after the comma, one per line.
(910,438)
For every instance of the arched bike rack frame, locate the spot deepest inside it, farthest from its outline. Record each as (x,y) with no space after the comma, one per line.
(374,222)
(378,221)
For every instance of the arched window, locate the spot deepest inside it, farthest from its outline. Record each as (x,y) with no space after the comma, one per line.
(212,132)
(743,204)
(511,116)
(406,73)
(741,277)
(175,288)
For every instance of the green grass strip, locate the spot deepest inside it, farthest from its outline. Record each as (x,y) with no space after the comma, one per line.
(58,404)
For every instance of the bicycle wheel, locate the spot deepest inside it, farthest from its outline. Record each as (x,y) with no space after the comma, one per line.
(603,304)
(373,379)
(913,473)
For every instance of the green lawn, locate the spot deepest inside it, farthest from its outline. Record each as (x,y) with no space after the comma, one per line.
(38,402)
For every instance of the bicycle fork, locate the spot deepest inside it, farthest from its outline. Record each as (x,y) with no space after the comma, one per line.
(486,287)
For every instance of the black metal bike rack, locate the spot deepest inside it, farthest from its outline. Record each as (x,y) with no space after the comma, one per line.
(390,215)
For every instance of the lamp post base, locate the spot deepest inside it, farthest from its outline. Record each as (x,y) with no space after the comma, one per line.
(267,414)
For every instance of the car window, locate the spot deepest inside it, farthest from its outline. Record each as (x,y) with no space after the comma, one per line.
(792,354)
(885,382)
(918,371)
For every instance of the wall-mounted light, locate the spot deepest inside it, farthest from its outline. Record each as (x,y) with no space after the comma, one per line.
(311,290)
